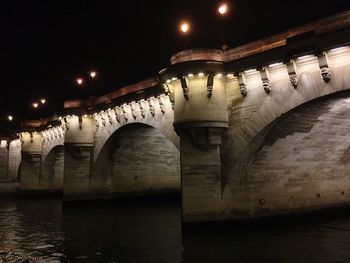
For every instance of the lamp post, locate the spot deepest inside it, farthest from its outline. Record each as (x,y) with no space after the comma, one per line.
(222,10)
(38,104)
(10,120)
(80,82)
(184,28)
(93,75)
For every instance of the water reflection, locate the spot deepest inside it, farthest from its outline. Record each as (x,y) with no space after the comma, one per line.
(30,230)
(151,232)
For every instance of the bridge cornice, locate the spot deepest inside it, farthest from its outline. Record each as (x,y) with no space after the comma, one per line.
(319,27)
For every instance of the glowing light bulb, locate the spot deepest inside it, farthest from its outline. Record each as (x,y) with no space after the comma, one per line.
(184,27)
(223,9)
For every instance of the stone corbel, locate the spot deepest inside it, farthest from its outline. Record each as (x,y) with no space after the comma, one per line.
(109,117)
(161,105)
(265,80)
(50,135)
(116,112)
(151,107)
(55,133)
(125,114)
(80,119)
(323,64)
(97,123)
(293,74)
(133,110)
(103,118)
(60,132)
(170,95)
(210,84)
(242,84)
(142,110)
(185,88)
(66,124)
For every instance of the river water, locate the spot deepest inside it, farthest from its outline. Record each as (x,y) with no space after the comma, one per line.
(151,231)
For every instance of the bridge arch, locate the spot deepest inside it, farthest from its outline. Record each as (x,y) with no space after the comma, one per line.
(52,169)
(137,159)
(162,119)
(301,158)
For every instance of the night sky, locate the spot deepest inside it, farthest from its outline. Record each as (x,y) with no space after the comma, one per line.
(45,45)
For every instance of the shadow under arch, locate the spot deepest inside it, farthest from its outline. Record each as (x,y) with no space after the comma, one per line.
(137,159)
(52,170)
(301,160)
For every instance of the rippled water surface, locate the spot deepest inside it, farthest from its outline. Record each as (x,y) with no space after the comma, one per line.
(151,231)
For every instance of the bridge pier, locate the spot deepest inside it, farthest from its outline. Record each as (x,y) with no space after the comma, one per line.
(78,156)
(200,173)
(200,120)
(77,170)
(31,162)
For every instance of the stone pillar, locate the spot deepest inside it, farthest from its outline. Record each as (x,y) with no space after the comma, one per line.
(14,160)
(77,169)
(78,156)
(4,156)
(30,172)
(31,161)
(200,119)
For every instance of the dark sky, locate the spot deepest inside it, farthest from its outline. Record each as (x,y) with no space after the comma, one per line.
(46,44)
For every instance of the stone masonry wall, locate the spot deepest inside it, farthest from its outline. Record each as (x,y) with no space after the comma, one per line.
(3,164)
(276,159)
(137,159)
(303,160)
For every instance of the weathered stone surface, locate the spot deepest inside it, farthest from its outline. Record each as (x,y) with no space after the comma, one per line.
(137,159)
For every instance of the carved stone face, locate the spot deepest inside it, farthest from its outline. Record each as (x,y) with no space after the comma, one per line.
(294,80)
(209,91)
(243,90)
(266,85)
(326,74)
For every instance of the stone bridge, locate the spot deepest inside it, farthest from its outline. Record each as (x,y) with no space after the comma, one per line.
(257,130)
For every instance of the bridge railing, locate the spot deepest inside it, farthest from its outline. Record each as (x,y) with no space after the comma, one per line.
(321,26)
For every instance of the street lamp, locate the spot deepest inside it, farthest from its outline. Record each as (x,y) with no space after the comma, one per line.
(222,9)
(93,74)
(184,27)
(10,118)
(43,101)
(80,81)
(90,82)
(35,105)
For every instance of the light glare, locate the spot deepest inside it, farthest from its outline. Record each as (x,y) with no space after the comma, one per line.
(222,9)
(80,81)
(184,27)
(275,64)
(93,74)
(35,105)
